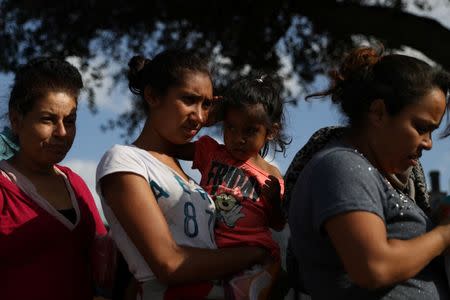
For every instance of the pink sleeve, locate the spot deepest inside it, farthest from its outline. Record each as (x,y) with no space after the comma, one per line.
(204,148)
(103,251)
(100,229)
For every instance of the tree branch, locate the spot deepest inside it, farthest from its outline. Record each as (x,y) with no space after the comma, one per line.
(394,27)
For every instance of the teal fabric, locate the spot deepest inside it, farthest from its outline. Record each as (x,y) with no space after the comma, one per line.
(8,144)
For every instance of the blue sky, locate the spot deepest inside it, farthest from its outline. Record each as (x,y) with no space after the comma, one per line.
(301,122)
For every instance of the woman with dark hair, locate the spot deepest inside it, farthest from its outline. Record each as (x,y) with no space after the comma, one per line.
(356,232)
(161,220)
(48,219)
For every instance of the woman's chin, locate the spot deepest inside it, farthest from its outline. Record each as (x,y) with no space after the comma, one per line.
(52,158)
(182,140)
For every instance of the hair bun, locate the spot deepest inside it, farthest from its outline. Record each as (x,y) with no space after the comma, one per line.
(355,71)
(136,65)
(358,62)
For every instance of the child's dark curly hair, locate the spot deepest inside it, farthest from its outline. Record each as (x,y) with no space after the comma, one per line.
(264,90)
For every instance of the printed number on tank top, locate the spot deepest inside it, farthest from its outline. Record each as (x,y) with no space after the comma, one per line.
(210,221)
(190,221)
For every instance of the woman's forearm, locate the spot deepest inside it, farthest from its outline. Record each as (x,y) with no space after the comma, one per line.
(406,258)
(371,259)
(196,264)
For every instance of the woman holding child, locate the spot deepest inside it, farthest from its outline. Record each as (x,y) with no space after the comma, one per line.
(161,220)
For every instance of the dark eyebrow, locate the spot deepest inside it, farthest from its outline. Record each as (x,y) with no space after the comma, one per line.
(196,96)
(47,112)
(432,127)
(429,125)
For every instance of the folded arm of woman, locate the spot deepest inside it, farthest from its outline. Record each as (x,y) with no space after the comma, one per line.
(134,204)
(371,259)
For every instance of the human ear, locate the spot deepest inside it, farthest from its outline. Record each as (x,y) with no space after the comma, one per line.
(150,97)
(377,112)
(15,119)
(273,131)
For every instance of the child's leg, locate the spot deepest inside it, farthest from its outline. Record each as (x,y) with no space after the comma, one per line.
(255,283)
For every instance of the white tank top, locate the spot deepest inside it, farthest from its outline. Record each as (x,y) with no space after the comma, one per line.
(189,211)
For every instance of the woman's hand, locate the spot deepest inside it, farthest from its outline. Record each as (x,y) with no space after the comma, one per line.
(262,256)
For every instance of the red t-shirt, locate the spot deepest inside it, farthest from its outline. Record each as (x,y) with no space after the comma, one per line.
(41,258)
(235,186)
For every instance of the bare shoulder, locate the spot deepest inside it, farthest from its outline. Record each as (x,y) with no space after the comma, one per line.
(271,169)
(274,171)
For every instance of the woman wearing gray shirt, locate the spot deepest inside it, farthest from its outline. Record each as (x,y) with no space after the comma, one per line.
(355,234)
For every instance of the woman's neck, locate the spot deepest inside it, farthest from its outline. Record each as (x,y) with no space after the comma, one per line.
(29,168)
(150,140)
(359,139)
